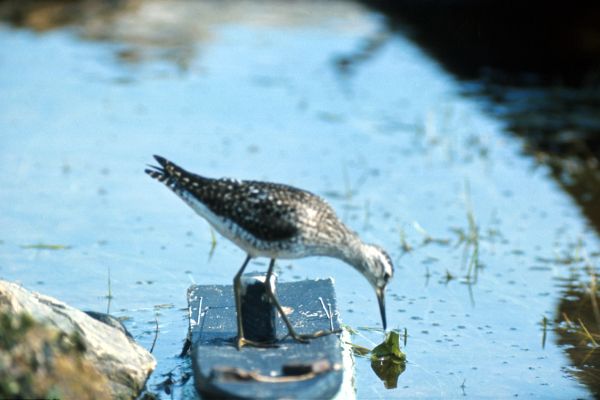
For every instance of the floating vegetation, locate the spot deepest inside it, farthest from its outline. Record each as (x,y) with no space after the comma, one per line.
(387,359)
(359,350)
(350,329)
(468,237)
(45,246)
(369,329)
(165,306)
(448,276)
(427,238)
(389,348)
(470,240)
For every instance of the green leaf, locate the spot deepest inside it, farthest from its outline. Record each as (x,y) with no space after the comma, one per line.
(389,349)
(358,350)
(388,371)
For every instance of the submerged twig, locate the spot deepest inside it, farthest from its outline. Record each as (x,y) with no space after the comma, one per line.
(155,333)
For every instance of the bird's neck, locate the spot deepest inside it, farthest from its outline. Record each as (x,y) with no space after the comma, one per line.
(353,252)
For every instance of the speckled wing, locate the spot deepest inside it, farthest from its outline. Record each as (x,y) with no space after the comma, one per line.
(268,211)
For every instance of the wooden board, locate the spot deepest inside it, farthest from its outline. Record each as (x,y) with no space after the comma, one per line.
(220,370)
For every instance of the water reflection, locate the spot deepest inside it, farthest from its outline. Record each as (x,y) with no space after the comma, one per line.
(158,30)
(44,15)
(388,370)
(542,78)
(560,126)
(578,319)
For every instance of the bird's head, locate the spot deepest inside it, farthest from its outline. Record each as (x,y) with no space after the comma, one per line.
(378,269)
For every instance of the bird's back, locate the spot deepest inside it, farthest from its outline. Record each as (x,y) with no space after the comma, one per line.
(270,214)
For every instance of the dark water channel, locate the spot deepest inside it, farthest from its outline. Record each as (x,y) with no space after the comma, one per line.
(496,257)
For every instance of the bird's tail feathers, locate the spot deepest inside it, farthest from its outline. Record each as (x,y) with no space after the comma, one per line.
(171,174)
(166,169)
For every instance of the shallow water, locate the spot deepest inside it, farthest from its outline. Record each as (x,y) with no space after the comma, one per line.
(393,146)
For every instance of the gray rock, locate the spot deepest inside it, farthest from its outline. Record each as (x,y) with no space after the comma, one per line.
(125,364)
(109,320)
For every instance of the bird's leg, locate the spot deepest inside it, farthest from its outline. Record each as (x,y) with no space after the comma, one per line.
(237,286)
(275,301)
(288,324)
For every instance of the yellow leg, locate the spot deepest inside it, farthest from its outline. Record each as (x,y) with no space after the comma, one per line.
(292,332)
(237,286)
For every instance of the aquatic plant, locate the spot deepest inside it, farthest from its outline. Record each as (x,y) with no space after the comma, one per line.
(469,239)
(387,359)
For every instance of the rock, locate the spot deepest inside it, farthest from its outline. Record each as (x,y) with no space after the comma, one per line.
(49,349)
(110,321)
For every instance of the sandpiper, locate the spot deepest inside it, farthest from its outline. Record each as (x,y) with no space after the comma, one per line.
(275,221)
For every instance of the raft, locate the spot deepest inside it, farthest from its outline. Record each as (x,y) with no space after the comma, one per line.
(287,369)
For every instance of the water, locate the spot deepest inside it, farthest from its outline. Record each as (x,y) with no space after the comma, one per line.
(393,146)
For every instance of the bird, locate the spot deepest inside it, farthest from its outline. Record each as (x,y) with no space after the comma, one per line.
(276,221)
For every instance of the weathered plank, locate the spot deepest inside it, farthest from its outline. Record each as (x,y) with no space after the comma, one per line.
(291,370)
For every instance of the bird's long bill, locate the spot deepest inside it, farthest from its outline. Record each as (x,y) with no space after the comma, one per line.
(381,300)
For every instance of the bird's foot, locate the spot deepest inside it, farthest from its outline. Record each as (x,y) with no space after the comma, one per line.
(298,338)
(304,338)
(242,341)
(320,333)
